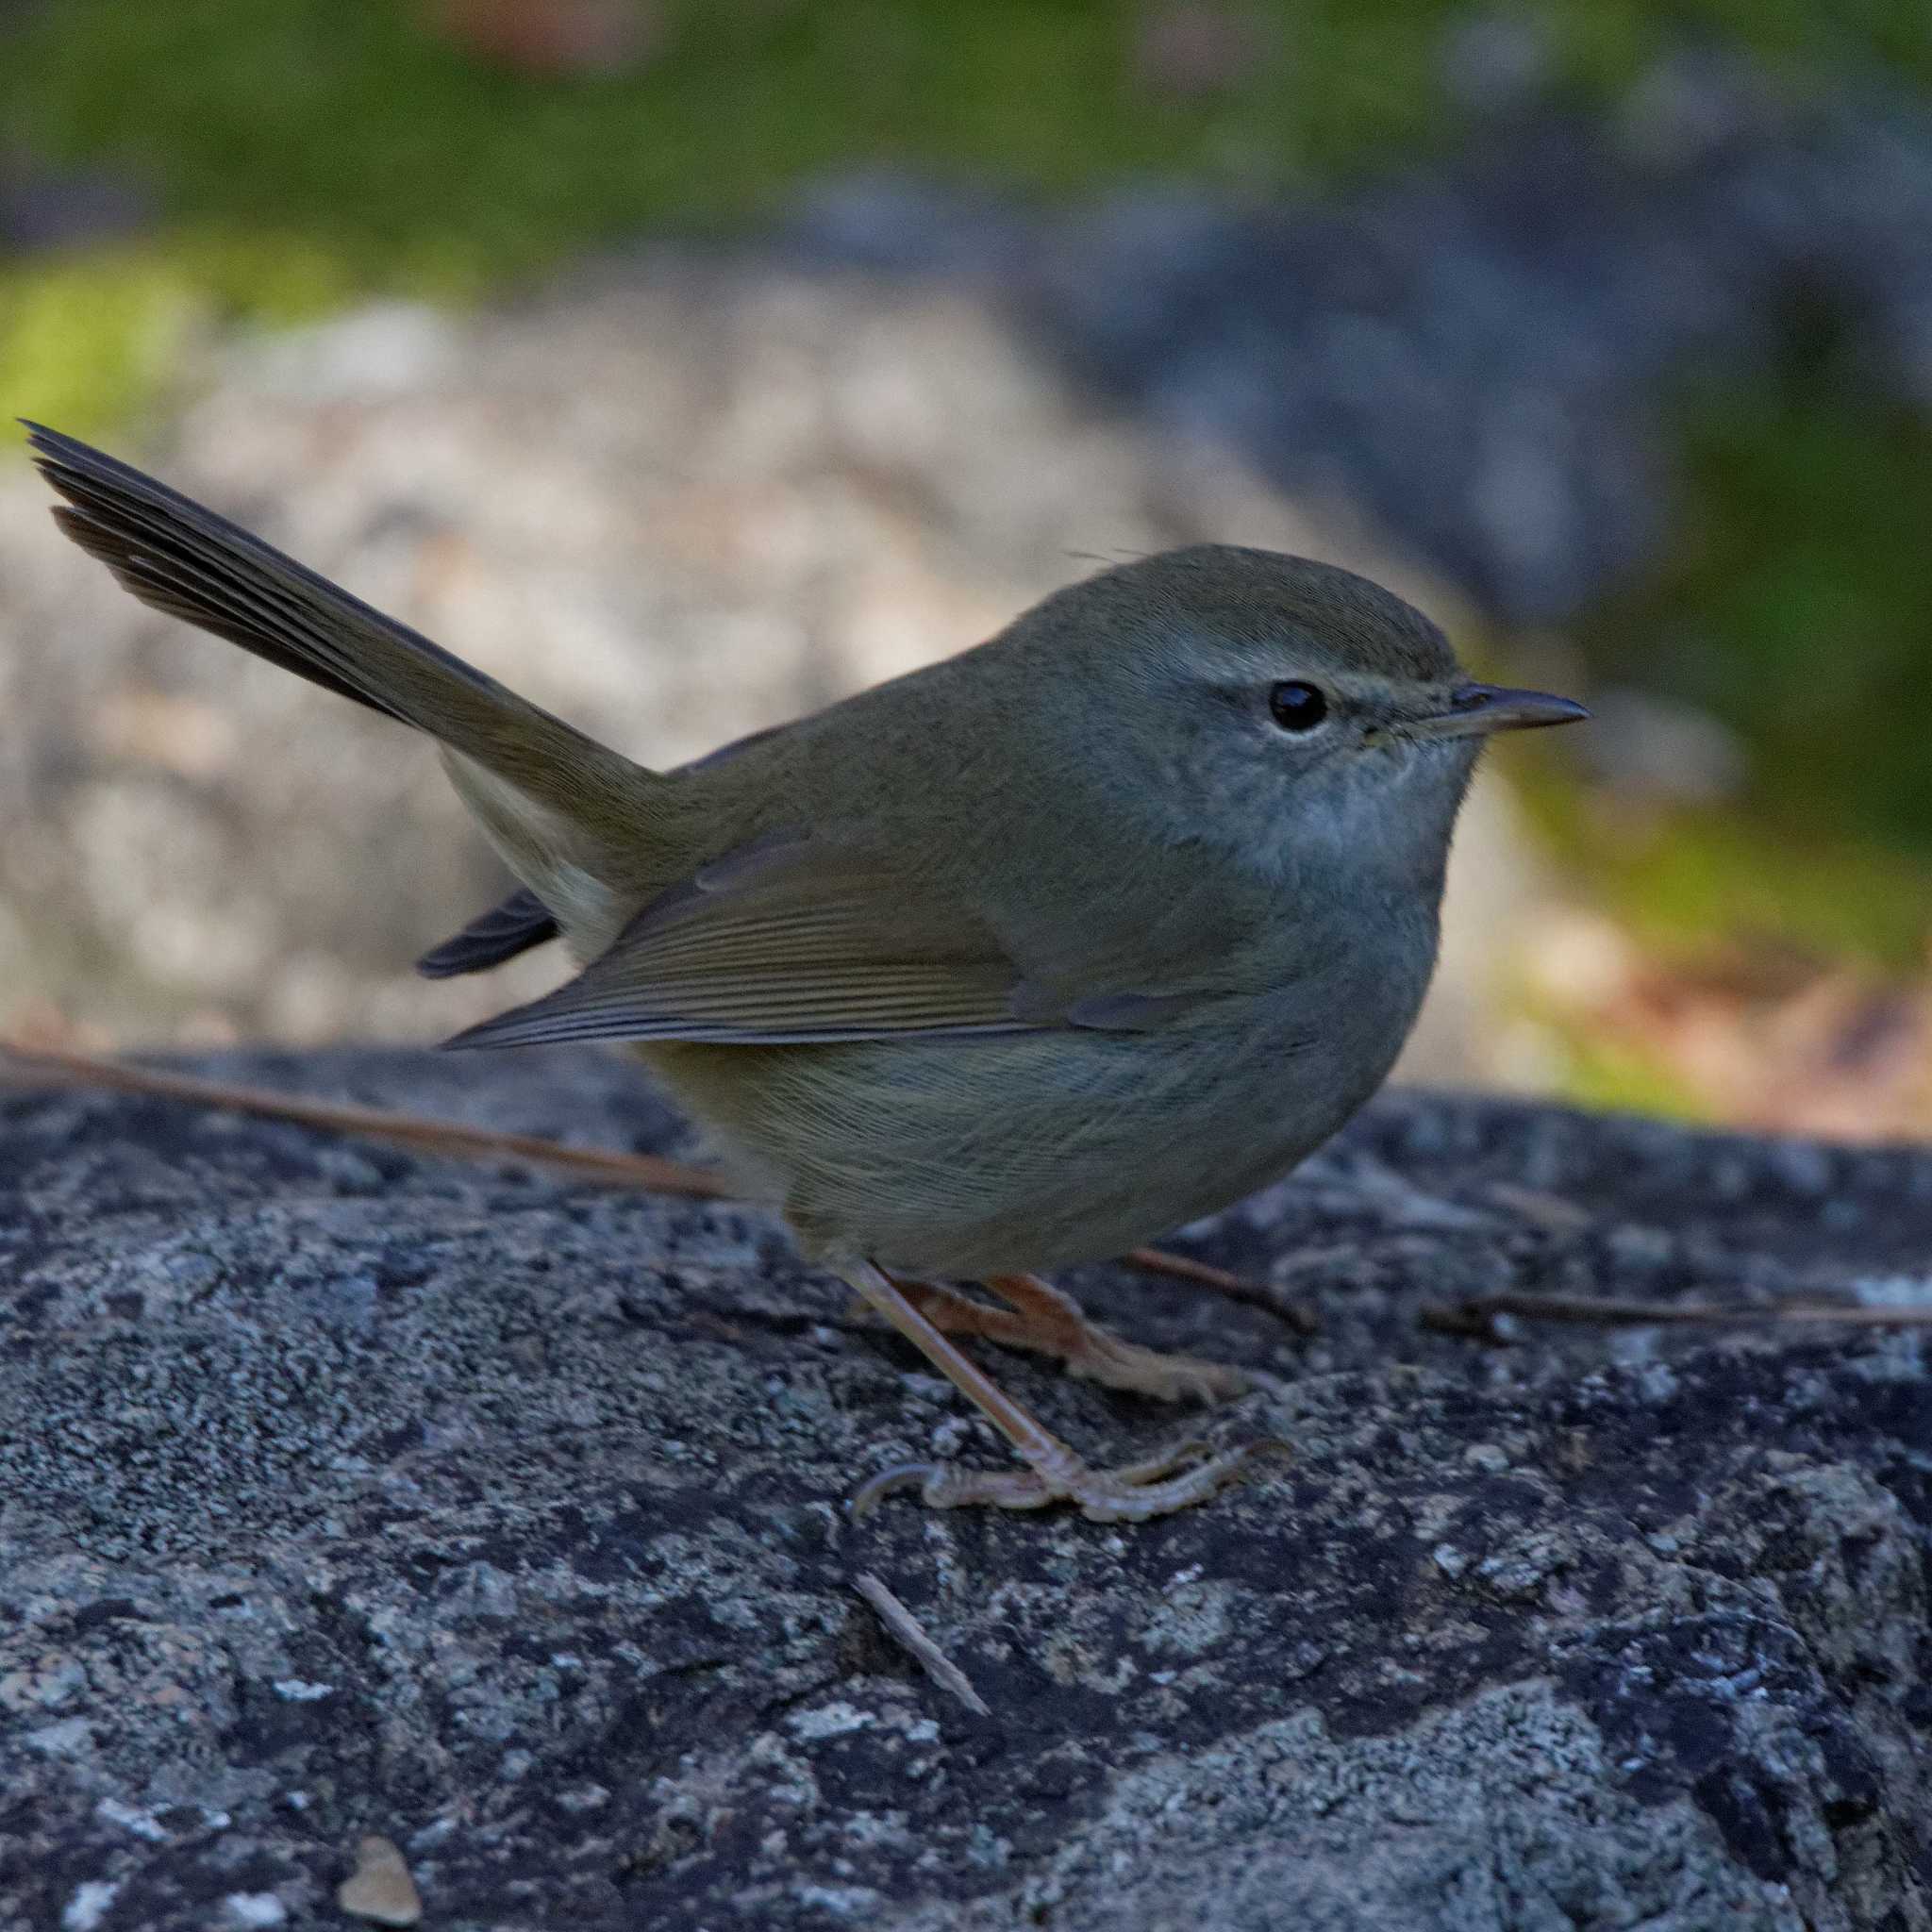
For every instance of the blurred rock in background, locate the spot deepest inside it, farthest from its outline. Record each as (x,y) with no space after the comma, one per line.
(1606,332)
(691,501)
(1479,353)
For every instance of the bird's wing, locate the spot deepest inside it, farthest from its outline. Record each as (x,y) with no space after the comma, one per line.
(520,922)
(523,921)
(791,938)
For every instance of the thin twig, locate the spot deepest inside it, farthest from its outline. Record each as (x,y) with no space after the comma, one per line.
(378,1124)
(1237,1288)
(1264,1295)
(902,1623)
(1477,1315)
(604,1165)
(1555,1213)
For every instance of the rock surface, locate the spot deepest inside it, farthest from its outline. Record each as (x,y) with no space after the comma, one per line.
(1478,352)
(349,1494)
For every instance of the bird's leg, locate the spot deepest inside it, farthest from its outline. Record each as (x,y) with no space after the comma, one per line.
(1155,1486)
(1103,1356)
(1043,1319)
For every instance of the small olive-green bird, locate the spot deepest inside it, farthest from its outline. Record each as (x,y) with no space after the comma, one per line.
(1016,961)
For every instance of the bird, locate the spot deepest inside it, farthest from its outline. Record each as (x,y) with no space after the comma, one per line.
(1007,964)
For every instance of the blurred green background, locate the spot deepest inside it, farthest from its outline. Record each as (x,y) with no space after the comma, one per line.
(274,160)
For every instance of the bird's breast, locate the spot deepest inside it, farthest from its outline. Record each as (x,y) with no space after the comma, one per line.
(1030,1151)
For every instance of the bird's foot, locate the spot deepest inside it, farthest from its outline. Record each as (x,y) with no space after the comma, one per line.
(1105,1357)
(1043,1319)
(1175,1479)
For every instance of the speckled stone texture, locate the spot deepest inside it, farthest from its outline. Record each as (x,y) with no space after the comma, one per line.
(343,1492)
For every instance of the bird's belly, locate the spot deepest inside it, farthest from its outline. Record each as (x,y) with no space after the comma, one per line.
(1017,1152)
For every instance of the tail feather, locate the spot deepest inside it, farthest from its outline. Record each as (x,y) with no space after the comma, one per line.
(520,922)
(170,589)
(181,559)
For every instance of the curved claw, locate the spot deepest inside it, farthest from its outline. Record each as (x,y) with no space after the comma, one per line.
(1175,1479)
(1164,1461)
(889,1482)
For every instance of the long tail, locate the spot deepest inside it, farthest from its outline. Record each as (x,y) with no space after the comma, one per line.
(184,559)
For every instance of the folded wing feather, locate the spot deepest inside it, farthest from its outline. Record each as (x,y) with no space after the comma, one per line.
(790,940)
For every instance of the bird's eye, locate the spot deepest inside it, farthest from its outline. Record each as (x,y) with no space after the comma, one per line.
(1297,707)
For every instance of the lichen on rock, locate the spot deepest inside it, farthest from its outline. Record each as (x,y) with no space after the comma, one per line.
(348,1493)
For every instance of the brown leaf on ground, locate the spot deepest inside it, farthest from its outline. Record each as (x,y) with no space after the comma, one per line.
(380,1887)
(555,37)
(1190,49)
(1766,1038)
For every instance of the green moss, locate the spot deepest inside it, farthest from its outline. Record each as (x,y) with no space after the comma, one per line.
(1613,1074)
(83,342)
(338,145)
(305,151)
(85,339)
(1678,879)
(351,123)
(347,120)
(1797,606)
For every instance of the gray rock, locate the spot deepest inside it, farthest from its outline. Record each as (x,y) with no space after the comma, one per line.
(1481,353)
(674,502)
(346,1493)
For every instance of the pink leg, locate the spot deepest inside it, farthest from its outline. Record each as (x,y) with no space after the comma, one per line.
(1054,1472)
(1049,1321)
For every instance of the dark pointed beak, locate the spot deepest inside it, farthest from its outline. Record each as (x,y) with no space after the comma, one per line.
(1477,709)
